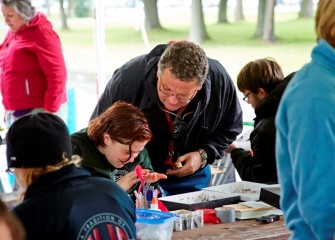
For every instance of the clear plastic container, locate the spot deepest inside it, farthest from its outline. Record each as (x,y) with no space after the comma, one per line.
(155,225)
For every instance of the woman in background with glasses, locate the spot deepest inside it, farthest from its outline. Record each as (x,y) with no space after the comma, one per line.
(262,84)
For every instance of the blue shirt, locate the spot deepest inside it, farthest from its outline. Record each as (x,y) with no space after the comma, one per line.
(305,148)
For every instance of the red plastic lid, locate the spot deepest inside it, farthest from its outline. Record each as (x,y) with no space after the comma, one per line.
(208,211)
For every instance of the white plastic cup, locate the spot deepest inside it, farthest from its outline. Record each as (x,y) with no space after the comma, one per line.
(190,220)
(199,218)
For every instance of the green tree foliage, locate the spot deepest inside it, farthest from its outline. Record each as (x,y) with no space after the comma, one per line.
(83,8)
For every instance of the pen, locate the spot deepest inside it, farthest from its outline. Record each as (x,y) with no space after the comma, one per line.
(145,193)
(149,197)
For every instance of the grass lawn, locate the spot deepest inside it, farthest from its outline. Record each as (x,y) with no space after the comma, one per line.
(232,44)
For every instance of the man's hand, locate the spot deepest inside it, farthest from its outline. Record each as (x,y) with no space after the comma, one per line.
(230,148)
(191,162)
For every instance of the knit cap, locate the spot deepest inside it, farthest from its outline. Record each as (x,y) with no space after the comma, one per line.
(37,140)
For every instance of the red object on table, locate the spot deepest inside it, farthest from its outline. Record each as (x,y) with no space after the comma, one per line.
(161,206)
(209,216)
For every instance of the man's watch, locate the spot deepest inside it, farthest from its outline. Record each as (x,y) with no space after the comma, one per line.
(203,156)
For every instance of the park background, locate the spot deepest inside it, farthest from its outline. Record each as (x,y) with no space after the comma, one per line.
(233,42)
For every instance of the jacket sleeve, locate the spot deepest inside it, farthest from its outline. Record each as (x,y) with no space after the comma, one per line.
(305,153)
(259,164)
(50,57)
(243,163)
(226,107)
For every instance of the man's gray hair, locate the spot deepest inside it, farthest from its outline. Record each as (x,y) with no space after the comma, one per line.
(186,61)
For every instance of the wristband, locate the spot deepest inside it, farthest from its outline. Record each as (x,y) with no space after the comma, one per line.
(203,156)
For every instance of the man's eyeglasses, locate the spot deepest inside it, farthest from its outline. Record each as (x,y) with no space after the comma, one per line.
(182,98)
(246,97)
(10,171)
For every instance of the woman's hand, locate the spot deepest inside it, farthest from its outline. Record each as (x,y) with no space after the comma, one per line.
(150,177)
(128,180)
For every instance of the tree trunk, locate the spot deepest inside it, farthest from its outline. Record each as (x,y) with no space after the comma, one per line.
(47,6)
(306,9)
(198,32)
(222,17)
(63,15)
(239,16)
(71,7)
(268,34)
(260,19)
(151,14)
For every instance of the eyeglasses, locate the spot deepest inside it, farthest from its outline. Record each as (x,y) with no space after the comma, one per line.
(181,98)
(10,171)
(246,97)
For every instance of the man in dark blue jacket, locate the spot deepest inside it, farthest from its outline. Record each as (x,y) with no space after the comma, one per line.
(191,105)
(62,201)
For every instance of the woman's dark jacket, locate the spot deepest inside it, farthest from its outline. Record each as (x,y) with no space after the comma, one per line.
(71,204)
(216,117)
(259,164)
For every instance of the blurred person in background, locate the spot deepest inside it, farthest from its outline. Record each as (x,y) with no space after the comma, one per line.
(32,68)
(262,84)
(305,144)
(114,144)
(61,200)
(10,226)
(192,107)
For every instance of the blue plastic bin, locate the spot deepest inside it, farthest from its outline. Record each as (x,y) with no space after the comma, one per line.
(151,224)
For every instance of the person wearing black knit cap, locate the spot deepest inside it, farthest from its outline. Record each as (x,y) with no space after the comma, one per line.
(60,200)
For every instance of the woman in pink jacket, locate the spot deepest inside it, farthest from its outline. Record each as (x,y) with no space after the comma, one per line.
(32,68)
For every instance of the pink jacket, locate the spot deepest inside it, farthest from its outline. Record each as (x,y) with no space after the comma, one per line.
(32,67)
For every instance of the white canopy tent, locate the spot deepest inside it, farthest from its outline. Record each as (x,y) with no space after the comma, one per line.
(100,44)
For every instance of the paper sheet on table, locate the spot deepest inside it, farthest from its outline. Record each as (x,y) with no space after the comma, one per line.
(259,205)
